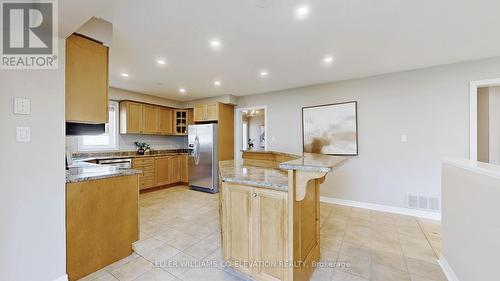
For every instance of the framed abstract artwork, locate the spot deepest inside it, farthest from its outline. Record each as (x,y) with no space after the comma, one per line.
(330,129)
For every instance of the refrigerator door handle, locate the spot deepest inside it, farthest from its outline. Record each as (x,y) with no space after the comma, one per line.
(196,151)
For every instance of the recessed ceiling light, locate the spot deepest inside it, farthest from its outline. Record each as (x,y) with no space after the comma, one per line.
(182,90)
(328,59)
(217,83)
(215,44)
(302,12)
(124,75)
(161,62)
(264,73)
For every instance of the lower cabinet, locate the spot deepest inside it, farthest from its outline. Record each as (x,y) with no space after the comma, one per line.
(184,168)
(162,170)
(254,230)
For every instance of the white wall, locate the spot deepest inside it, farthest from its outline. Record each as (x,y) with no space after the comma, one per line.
(32,176)
(254,123)
(428,105)
(494,124)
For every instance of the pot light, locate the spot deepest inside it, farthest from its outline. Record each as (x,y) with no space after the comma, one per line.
(124,74)
(217,83)
(264,73)
(215,44)
(182,90)
(328,59)
(161,62)
(302,12)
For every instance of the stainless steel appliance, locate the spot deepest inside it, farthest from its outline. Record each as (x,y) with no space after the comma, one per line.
(122,163)
(203,163)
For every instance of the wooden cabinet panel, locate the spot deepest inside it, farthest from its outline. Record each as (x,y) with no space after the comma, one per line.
(237,224)
(176,168)
(163,170)
(86,81)
(199,113)
(151,119)
(147,178)
(190,116)
(184,168)
(269,215)
(166,121)
(180,122)
(131,117)
(212,112)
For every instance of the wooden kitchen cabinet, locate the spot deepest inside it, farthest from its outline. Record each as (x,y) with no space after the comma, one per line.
(131,117)
(175,169)
(86,81)
(206,112)
(151,119)
(190,116)
(180,122)
(255,228)
(166,121)
(147,166)
(163,170)
(184,168)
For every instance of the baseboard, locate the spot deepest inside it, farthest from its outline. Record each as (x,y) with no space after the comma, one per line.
(62,278)
(382,208)
(448,271)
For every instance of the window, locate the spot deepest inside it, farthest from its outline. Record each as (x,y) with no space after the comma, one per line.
(106,141)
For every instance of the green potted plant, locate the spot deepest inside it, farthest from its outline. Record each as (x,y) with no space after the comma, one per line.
(142,148)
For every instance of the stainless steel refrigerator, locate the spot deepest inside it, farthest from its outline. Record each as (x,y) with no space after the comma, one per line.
(203,163)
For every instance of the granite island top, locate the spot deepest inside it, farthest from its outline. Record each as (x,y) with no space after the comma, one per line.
(83,171)
(272,178)
(276,178)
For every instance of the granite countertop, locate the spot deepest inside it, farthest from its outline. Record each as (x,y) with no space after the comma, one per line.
(312,162)
(273,152)
(124,154)
(83,171)
(272,178)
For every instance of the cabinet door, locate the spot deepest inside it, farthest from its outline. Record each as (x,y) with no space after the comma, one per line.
(269,230)
(163,167)
(86,81)
(180,122)
(184,168)
(212,112)
(151,119)
(166,122)
(199,113)
(190,116)
(134,115)
(176,169)
(236,220)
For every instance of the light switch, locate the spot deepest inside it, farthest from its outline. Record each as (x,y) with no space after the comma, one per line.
(22,106)
(23,134)
(404,138)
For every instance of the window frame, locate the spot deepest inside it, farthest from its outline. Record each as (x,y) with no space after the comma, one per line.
(113,132)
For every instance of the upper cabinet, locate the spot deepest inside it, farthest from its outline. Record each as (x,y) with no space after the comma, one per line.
(151,115)
(206,112)
(131,117)
(86,81)
(180,121)
(166,122)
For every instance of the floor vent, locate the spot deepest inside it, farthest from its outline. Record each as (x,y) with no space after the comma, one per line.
(422,202)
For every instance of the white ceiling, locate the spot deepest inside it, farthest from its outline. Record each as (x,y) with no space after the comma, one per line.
(366,37)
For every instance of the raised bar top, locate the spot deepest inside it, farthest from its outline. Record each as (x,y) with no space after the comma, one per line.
(314,163)
(272,178)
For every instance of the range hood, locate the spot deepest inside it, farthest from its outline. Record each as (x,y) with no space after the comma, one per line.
(79,129)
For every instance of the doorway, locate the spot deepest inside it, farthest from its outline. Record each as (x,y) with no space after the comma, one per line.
(485,121)
(251,129)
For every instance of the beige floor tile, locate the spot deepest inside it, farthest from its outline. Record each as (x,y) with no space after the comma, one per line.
(100,275)
(161,254)
(144,246)
(184,242)
(339,275)
(206,274)
(363,240)
(132,269)
(386,245)
(121,262)
(428,270)
(322,274)
(358,258)
(156,274)
(383,273)
(418,249)
(329,243)
(179,263)
(201,249)
(414,277)
(168,234)
(389,260)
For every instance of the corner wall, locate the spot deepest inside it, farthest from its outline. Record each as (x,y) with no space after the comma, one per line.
(430,106)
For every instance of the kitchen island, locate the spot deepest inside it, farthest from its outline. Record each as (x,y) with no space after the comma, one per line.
(102,216)
(270,213)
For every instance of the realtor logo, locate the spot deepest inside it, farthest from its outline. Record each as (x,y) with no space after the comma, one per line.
(29,39)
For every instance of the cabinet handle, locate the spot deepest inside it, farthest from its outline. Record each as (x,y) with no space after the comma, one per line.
(254,194)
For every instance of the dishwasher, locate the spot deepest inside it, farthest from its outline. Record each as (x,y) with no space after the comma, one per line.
(121,163)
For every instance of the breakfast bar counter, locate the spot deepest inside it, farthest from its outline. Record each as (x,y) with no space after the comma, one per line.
(269,207)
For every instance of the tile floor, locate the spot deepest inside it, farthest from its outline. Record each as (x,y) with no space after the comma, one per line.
(180,227)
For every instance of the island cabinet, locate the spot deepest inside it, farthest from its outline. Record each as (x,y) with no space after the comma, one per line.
(255,231)
(86,80)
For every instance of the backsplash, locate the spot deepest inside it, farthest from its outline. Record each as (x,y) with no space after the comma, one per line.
(127,142)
